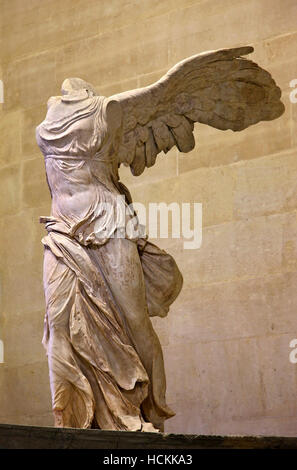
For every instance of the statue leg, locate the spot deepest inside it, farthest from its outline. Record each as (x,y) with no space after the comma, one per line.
(64,371)
(119,260)
(81,391)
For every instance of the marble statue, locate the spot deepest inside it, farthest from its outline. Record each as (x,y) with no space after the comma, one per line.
(102,284)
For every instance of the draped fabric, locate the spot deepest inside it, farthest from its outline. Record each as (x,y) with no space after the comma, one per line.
(105,360)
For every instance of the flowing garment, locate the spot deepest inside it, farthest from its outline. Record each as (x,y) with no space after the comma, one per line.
(105,360)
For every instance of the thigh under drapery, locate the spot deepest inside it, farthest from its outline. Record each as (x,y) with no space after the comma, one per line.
(59,287)
(99,337)
(120,263)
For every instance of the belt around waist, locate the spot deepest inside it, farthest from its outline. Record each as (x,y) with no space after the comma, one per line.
(78,158)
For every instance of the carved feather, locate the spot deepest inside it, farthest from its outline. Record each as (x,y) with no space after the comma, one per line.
(218,88)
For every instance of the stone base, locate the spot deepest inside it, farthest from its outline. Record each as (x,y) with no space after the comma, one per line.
(35,437)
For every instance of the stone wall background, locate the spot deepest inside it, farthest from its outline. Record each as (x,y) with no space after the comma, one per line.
(226,339)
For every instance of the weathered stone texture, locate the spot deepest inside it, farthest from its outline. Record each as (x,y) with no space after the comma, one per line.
(226,339)
(14,436)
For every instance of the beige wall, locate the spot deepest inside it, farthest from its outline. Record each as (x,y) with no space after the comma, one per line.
(226,339)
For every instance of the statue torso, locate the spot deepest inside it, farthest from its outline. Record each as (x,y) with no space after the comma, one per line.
(81,168)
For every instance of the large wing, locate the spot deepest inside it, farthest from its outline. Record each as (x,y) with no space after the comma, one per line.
(218,88)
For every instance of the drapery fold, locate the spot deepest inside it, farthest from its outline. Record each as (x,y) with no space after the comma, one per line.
(98,366)
(105,360)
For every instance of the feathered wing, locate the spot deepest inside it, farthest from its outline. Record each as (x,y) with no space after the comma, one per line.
(220,88)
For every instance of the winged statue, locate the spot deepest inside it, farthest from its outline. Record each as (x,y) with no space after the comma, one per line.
(102,284)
